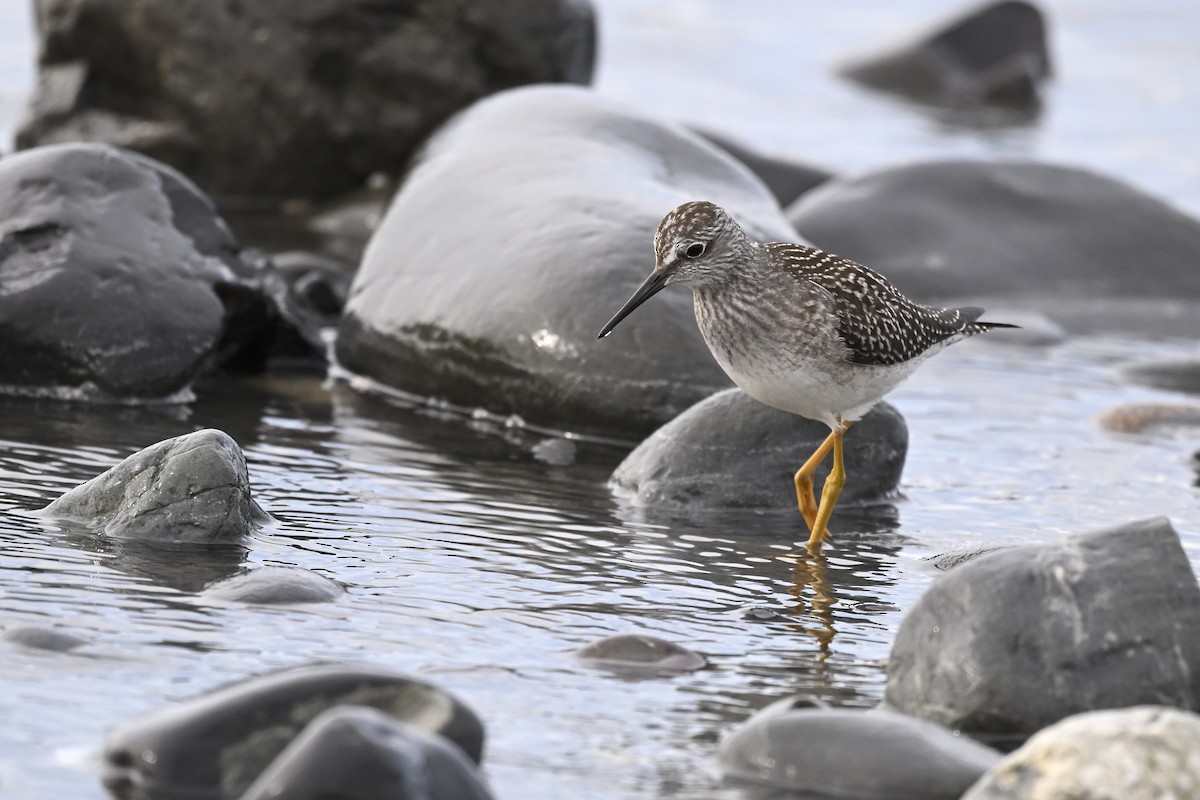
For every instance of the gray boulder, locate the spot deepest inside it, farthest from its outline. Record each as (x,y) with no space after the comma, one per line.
(356,753)
(526,224)
(994,56)
(307,97)
(731,451)
(193,488)
(1053,239)
(119,281)
(867,755)
(1144,753)
(275,586)
(1017,639)
(217,744)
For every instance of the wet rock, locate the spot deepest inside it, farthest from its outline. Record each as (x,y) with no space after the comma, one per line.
(192,488)
(557,452)
(528,221)
(787,180)
(39,638)
(1176,375)
(1052,239)
(356,753)
(1142,417)
(308,98)
(216,744)
(1145,753)
(275,586)
(118,279)
(322,283)
(993,56)
(730,451)
(1016,640)
(636,655)
(793,747)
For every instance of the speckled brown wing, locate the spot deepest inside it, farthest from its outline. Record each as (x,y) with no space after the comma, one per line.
(877,323)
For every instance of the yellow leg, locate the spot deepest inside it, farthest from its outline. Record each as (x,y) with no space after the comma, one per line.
(804,481)
(829,494)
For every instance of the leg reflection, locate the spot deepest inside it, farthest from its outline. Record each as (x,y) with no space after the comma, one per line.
(814,597)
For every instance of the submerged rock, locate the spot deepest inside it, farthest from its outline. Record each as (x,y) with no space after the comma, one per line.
(1142,417)
(992,56)
(356,753)
(526,224)
(307,98)
(36,637)
(119,281)
(866,755)
(275,586)
(731,451)
(215,745)
(1053,239)
(1144,753)
(636,655)
(193,488)
(1015,640)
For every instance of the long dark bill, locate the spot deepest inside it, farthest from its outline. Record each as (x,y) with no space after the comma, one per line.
(650,287)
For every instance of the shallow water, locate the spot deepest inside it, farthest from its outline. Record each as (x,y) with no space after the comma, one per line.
(471,561)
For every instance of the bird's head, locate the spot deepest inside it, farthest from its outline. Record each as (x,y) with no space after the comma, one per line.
(695,245)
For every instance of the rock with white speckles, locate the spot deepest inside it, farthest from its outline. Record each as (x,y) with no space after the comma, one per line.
(1018,639)
(193,488)
(1144,753)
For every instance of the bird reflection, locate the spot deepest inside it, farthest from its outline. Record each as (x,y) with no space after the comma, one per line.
(815,597)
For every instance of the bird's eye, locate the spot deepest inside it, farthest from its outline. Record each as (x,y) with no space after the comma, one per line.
(695,251)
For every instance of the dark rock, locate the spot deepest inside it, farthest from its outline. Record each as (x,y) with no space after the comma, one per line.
(308,97)
(730,451)
(192,488)
(1016,640)
(638,655)
(275,585)
(1144,753)
(1176,375)
(355,753)
(216,744)
(320,282)
(1052,239)
(38,638)
(118,279)
(787,180)
(993,56)
(867,755)
(528,221)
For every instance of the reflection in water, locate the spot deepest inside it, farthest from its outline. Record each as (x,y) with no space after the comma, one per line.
(809,574)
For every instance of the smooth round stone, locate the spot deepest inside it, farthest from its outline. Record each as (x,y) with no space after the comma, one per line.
(731,451)
(281,98)
(357,753)
(119,281)
(1015,640)
(1176,375)
(527,222)
(275,586)
(1143,417)
(39,638)
(1050,239)
(636,654)
(217,744)
(192,488)
(868,755)
(994,55)
(1144,753)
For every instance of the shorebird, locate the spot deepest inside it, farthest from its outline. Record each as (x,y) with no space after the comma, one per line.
(797,328)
